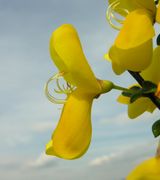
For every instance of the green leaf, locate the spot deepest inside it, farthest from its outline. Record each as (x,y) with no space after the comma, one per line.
(156,128)
(137,95)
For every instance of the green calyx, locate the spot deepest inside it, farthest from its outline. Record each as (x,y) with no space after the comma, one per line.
(106,86)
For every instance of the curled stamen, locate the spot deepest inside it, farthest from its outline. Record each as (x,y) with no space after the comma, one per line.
(112,10)
(58,91)
(58,85)
(61,90)
(116,19)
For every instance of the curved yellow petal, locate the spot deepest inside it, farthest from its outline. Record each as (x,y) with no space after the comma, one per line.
(137,29)
(72,136)
(134,59)
(123,99)
(117,68)
(151,107)
(158,13)
(138,107)
(106,56)
(152,73)
(147,170)
(66,52)
(115,65)
(115,58)
(126,100)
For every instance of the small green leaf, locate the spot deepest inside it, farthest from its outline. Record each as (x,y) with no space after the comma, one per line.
(148,87)
(156,128)
(127,94)
(135,96)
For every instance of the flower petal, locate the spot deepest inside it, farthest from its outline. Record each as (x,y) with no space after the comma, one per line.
(138,107)
(151,107)
(72,136)
(147,170)
(123,99)
(115,65)
(106,56)
(137,29)
(158,13)
(152,73)
(134,59)
(67,54)
(117,69)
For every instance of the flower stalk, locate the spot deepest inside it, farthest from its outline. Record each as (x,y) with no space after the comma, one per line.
(158,150)
(122,88)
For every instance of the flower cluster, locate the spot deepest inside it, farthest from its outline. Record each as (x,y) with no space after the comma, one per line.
(131,51)
(133,47)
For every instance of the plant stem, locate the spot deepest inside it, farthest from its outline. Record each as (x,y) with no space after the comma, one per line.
(156,2)
(121,88)
(140,80)
(158,150)
(137,77)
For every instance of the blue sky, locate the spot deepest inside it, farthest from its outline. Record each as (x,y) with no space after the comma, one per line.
(28,118)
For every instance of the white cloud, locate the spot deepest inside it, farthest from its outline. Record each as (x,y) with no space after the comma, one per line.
(102,160)
(118,164)
(43,126)
(123,119)
(43,161)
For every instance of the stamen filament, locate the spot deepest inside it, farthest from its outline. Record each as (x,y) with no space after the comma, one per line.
(48,95)
(112,8)
(122,89)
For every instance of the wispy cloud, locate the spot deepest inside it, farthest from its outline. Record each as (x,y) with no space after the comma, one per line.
(102,160)
(43,161)
(117,165)
(43,126)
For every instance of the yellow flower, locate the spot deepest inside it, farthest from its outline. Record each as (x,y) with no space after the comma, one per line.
(132,49)
(147,170)
(72,135)
(152,73)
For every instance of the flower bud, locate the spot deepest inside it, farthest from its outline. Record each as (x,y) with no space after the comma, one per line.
(106,86)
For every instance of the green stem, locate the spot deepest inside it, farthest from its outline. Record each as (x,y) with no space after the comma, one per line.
(158,150)
(121,88)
